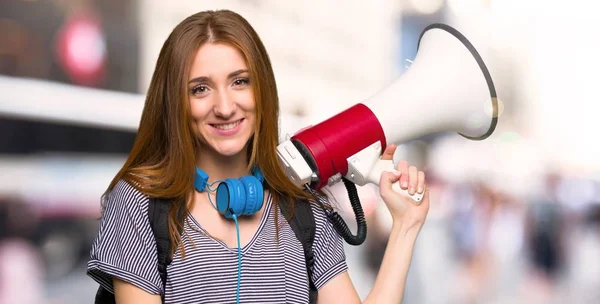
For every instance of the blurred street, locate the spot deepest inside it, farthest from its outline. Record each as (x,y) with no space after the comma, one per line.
(514,218)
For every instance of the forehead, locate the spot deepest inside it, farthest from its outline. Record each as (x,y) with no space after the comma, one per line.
(216,59)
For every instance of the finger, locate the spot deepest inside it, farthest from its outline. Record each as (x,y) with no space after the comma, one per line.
(421,182)
(403,168)
(425,202)
(388,154)
(413,179)
(386,181)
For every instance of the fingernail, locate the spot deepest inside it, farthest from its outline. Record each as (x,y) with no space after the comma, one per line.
(420,189)
(404,184)
(411,191)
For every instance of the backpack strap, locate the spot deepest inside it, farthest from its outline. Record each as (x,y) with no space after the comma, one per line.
(158,213)
(104,296)
(303,224)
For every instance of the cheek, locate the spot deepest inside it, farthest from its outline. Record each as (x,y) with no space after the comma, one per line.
(246,101)
(199,110)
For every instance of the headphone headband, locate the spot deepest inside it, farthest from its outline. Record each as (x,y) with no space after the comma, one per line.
(201,180)
(258,174)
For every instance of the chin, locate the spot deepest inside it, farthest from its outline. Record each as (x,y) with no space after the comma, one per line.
(228,148)
(230,152)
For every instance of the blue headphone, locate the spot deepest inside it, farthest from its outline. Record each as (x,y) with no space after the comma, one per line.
(235,196)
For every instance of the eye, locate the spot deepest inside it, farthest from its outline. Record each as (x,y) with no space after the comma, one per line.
(199,90)
(241,81)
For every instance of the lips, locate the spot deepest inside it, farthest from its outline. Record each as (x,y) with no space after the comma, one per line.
(227,126)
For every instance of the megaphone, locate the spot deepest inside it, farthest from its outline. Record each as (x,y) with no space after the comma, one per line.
(447,88)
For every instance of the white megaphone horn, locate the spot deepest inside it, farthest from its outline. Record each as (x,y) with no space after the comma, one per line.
(447,88)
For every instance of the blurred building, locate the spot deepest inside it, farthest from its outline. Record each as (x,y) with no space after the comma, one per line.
(326,55)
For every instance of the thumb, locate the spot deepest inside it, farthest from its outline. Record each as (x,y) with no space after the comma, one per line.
(387,179)
(388,153)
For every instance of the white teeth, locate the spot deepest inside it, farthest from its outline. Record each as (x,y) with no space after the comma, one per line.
(228,126)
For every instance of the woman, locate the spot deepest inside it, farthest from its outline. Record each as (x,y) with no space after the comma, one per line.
(212,104)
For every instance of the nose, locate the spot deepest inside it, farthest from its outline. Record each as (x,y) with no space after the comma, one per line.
(224,106)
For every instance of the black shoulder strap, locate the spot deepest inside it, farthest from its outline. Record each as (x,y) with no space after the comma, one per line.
(104,296)
(303,224)
(158,213)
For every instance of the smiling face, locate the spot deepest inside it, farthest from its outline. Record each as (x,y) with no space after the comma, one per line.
(222,101)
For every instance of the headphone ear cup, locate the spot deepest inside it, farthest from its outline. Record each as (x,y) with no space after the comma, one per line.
(254,194)
(231,198)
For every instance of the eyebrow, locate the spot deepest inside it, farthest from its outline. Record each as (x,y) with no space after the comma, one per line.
(206,79)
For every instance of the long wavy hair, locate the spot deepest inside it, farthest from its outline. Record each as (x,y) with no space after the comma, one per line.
(163,157)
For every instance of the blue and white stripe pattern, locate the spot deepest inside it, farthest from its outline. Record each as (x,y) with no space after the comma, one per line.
(271,273)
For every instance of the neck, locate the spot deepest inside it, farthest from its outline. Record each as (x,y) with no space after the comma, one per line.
(219,167)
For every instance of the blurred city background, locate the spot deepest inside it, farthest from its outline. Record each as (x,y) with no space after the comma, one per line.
(514,219)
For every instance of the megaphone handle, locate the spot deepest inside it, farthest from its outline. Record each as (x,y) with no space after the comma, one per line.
(417,197)
(388,166)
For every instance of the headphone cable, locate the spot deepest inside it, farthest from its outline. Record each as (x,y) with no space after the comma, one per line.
(237,228)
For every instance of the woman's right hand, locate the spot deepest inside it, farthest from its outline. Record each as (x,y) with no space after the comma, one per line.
(406,213)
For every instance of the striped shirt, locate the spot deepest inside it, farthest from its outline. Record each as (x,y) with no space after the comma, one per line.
(271,273)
